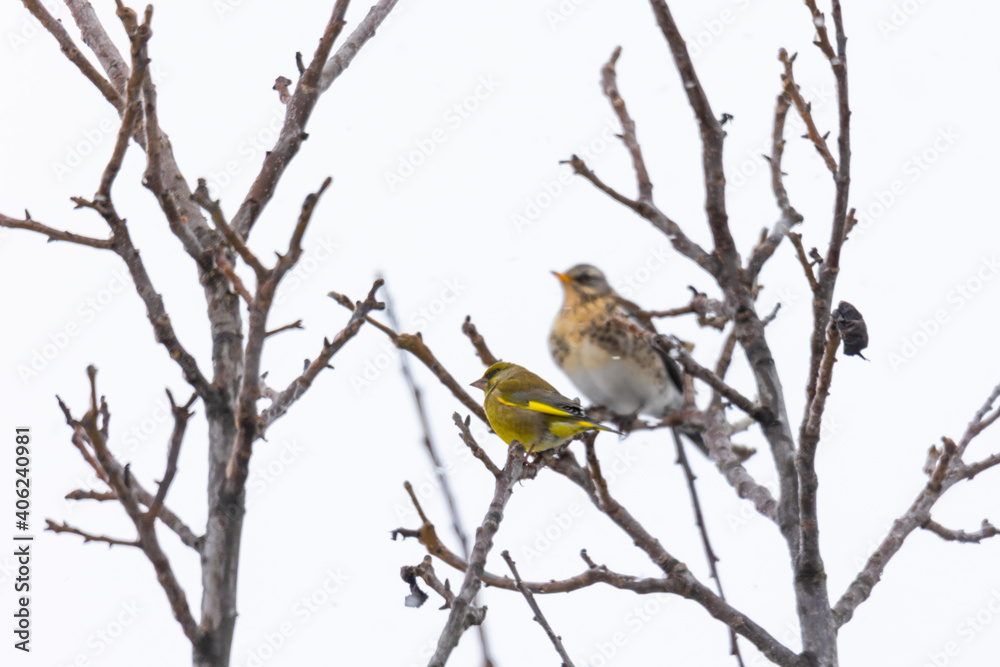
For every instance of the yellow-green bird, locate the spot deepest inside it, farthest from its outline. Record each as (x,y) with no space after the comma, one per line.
(522,406)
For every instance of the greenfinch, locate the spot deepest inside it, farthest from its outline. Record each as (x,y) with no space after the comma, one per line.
(522,406)
(612,365)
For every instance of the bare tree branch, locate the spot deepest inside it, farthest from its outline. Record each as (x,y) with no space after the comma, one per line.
(300,385)
(88,537)
(68,47)
(789,216)
(609,83)
(414,344)
(710,555)
(739,297)
(52,233)
(181,416)
(539,617)
(460,618)
(800,252)
(477,451)
(987,531)
(482,351)
(945,474)
(78,439)
(710,312)
(682,581)
(717,438)
(804,109)
(147,539)
(644,205)
(313,82)
(94,36)
(830,268)
(427,440)
(214,210)
(247,419)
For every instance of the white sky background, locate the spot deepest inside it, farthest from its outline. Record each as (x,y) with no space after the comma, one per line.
(327,487)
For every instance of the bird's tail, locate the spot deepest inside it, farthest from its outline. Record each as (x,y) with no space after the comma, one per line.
(602,427)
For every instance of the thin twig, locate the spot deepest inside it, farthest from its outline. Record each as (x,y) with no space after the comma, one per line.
(470,442)
(789,216)
(710,556)
(987,531)
(314,81)
(805,111)
(482,351)
(52,233)
(300,385)
(146,532)
(462,613)
(297,324)
(539,617)
(427,440)
(181,416)
(414,344)
(800,252)
(66,45)
(943,477)
(88,537)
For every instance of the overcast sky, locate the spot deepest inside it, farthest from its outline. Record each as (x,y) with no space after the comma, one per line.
(444,139)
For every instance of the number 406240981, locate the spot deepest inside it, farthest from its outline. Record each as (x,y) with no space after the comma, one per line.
(22,482)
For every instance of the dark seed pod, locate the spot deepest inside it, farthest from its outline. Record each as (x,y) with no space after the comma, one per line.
(852,328)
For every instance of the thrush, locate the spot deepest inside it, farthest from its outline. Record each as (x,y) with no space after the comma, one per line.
(595,342)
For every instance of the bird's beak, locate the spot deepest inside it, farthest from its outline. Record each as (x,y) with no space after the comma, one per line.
(563,278)
(479,384)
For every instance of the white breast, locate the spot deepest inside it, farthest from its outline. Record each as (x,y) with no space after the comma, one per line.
(620,384)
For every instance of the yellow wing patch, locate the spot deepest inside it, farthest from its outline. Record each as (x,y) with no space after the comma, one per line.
(538,406)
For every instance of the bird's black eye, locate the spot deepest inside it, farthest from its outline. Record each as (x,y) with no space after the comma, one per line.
(490,374)
(585,279)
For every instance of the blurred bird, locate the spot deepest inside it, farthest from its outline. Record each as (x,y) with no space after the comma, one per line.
(613,365)
(522,406)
